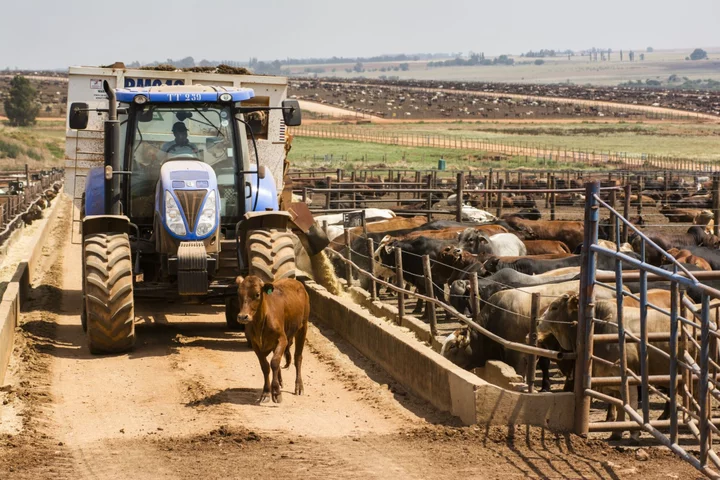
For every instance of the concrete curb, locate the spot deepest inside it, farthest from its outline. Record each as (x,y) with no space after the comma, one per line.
(431,376)
(17,290)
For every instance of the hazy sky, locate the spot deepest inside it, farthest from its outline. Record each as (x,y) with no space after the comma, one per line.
(37,34)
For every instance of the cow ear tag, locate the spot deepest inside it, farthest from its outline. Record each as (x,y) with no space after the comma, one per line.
(268,289)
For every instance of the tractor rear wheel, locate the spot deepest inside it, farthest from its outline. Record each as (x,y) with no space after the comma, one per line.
(109,307)
(271,254)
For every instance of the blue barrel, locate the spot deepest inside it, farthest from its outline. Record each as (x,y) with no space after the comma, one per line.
(441,164)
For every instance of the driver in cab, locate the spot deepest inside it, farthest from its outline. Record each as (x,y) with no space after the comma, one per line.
(180,145)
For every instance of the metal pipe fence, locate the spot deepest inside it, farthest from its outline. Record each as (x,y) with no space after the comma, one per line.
(646,343)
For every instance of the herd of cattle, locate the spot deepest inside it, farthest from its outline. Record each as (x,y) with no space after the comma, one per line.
(405,103)
(514,256)
(699,101)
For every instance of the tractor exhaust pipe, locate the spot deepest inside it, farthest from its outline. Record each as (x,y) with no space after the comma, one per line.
(113,162)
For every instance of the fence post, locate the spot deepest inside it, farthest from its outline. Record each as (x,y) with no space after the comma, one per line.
(486,185)
(547,195)
(499,209)
(611,202)
(626,210)
(474,297)
(328,195)
(430,306)
(584,343)
(641,187)
(532,359)
(460,193)
(716,204)
(553,198)
(429,197)
(401,284)
(348,255)
(399,187)
(371,256)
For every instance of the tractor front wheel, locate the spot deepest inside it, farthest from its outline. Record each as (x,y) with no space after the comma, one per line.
(109,307)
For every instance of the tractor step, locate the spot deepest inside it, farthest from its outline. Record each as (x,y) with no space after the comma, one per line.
(192,268)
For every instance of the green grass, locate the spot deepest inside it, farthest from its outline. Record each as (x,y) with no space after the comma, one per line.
(308,152)
(692,141)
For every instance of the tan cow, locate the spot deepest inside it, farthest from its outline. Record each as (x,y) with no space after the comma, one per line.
(560,320)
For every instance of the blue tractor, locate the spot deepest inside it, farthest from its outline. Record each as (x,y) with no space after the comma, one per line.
(179,208)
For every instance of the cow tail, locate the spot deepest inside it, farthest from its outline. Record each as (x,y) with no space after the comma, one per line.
(565,248)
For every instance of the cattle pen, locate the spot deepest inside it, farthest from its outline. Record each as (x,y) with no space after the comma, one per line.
(637,205)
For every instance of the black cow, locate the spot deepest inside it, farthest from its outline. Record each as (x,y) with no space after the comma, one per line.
(711,255)
(695,236)
(531,266)
(525,213)
(412,252)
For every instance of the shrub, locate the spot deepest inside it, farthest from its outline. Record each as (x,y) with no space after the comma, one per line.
(698,54)
(9,150)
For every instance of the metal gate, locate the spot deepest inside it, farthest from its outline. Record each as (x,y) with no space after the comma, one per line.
(683,337)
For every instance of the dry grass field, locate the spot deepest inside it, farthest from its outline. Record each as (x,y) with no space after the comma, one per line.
(658,65)
(41,146)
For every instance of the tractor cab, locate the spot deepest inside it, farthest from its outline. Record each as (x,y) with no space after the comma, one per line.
(187,124)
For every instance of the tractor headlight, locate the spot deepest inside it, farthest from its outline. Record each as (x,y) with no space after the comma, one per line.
(173,218)
(206,222)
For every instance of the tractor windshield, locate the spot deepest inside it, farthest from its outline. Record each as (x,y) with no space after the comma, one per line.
(165,132)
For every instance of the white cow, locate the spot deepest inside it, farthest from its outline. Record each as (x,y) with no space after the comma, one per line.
(501,244)
(472,214)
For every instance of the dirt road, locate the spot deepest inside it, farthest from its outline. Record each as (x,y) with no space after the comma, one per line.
(183,405)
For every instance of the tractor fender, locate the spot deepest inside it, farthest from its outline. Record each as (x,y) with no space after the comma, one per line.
(93,224)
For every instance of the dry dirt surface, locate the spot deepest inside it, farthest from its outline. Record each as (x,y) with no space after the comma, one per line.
(183,405)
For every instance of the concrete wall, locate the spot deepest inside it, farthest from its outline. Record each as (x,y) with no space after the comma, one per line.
(17,289)
(431,376)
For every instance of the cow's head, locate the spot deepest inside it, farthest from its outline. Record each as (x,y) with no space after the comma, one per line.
(456,348)
(474,241)
(251,293)
(560,319)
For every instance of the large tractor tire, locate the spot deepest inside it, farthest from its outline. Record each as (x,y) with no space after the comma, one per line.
(109,307)
(271,254)
(231,312)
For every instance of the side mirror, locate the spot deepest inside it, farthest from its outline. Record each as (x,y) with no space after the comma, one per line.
(79,116)
(291,113)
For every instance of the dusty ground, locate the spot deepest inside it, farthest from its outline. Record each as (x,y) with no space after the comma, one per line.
(182,405)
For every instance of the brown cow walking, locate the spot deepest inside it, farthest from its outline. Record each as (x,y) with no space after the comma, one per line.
(276,315)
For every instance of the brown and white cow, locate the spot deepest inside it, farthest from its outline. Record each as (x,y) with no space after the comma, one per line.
(276,315)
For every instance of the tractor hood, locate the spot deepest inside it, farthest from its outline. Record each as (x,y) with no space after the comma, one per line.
(187,199)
